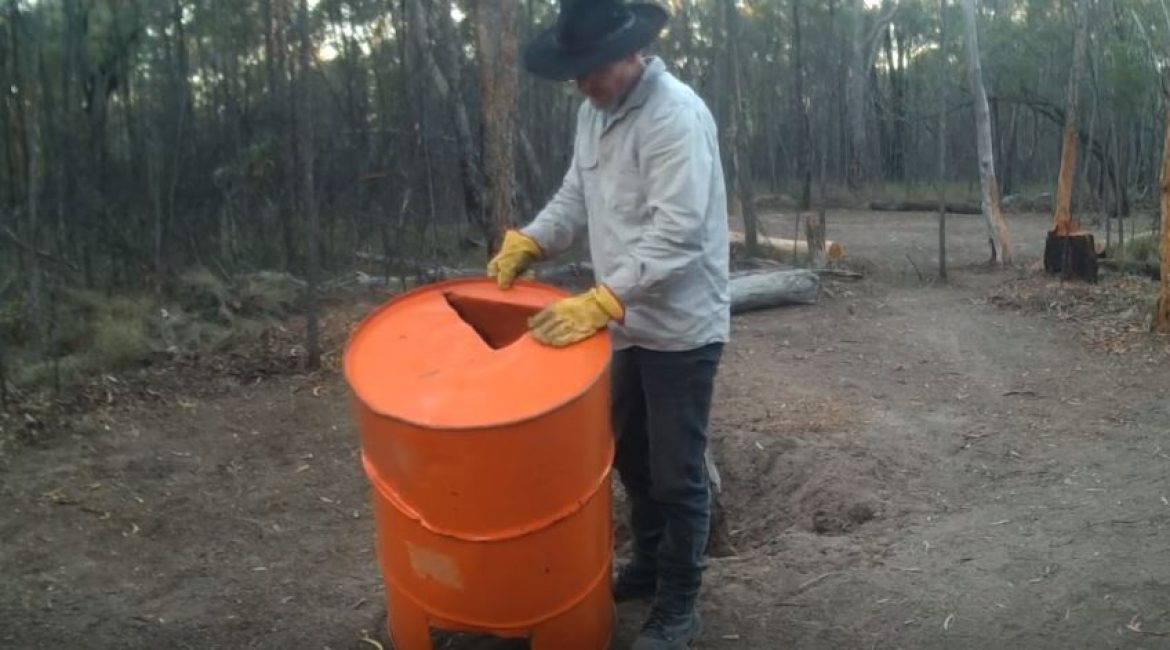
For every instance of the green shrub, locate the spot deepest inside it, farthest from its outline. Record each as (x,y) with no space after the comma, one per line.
(1144,248)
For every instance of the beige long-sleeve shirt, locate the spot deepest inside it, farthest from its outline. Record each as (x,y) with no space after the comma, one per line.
(646,185)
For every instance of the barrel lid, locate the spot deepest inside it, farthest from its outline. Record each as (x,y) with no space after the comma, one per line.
(458,355)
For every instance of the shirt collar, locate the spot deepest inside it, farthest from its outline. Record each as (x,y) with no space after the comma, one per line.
(638,93)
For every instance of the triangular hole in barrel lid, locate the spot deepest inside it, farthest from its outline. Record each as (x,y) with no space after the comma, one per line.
(498,323)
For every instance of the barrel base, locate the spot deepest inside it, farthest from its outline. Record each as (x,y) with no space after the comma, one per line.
(408,625)
(588,625)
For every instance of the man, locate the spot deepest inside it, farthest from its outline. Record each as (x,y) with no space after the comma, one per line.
(646,185)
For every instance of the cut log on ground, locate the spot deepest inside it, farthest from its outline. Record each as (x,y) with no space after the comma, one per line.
(750,290)
(1074,255)
(923,206)
(415,280)
(571,276)
(773,246)
(774,289)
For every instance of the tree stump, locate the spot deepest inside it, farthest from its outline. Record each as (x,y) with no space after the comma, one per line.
(1074,255)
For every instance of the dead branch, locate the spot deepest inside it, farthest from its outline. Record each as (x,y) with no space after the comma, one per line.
(12,238)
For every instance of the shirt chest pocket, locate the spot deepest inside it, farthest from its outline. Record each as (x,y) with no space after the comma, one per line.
(611,181)
(589,170)
(621,182)
(626,192)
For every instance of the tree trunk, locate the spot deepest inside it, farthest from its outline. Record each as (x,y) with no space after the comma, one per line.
(495,28)
(998,234)
(855,101)
(1162,317)
(803,163)
(1062,219)
(27,129)
(69,210)
(862,56)
(304,141)
(469,168)
(738,139)
(814,235)
(1067,249)
(1120,177)
(816,231)
(896,160)
(942,140)
(3,380)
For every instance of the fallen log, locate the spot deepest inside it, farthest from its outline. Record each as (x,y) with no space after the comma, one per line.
(773,246)
(773,289)
(923,206)
(414,280)
(750,290)
(572,276)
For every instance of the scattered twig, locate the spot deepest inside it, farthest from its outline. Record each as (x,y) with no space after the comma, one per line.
(839,273)
(366,638)
(808,583)
(915,265)
(1126,522)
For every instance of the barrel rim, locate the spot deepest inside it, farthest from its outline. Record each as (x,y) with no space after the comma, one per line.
(603,368)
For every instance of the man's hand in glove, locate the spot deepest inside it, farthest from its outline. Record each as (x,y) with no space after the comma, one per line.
(574,319)
(516,253)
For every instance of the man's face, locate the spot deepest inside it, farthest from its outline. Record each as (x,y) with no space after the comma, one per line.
(604,85)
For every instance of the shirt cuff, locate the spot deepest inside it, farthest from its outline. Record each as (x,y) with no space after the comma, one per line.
(623,282)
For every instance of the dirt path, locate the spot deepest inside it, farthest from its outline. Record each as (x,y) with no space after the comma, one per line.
(906,466)
(1019,484)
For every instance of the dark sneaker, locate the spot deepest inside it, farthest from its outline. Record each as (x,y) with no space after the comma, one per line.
(633,582)
(666,631)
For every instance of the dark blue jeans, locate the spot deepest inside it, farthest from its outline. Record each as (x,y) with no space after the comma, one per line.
(661,405)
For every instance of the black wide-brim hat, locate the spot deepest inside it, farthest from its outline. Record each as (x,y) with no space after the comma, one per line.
(590,34)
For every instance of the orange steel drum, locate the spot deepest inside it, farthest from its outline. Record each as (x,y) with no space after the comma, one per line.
(489,456)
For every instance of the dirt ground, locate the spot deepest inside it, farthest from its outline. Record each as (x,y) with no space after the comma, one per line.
(906,465)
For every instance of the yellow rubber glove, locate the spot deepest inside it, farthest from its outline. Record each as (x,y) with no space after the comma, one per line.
(574,319)
(516,253)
